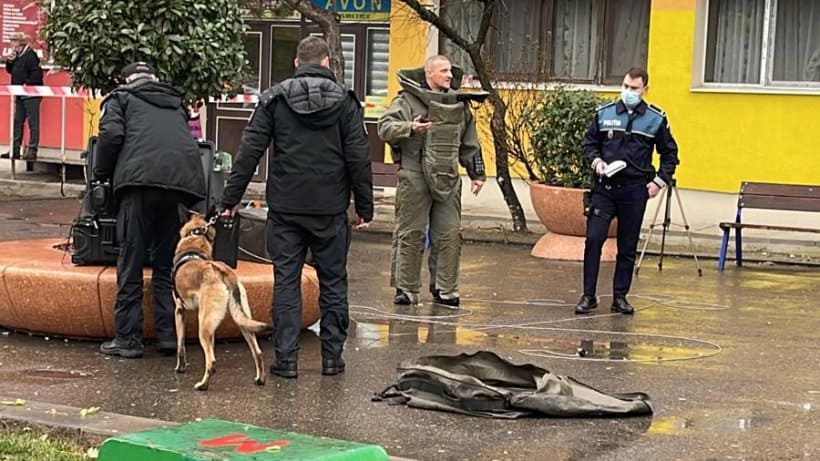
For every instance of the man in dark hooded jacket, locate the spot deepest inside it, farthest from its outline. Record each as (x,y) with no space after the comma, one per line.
(319,154)
(145,149)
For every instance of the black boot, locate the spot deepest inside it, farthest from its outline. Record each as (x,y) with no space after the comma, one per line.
(30,155)
(333,366)
(8,154)
(453,301)
(404,298)
(284,369)
(586,305)
(167,347)
(621,306)
(128,349)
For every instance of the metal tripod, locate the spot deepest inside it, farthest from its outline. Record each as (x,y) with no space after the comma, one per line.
(666,200)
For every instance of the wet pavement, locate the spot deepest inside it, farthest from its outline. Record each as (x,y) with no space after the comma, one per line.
(729,360)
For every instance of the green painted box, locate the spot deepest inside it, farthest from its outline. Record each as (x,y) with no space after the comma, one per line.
(214,439)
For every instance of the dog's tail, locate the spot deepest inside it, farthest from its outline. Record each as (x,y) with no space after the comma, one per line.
(238,305)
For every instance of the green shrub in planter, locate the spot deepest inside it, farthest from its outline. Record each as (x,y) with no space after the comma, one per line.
(196,46)
(557,127)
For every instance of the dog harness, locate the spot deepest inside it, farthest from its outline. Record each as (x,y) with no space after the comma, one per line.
(189,255)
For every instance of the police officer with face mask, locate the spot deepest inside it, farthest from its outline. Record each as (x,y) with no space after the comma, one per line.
(619,144)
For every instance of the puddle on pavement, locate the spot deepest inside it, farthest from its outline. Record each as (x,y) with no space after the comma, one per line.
(741,420)
(44,376)
(654,348)
(54,373)
(603,347)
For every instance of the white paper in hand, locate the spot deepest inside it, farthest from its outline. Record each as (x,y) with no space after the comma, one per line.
(614,167)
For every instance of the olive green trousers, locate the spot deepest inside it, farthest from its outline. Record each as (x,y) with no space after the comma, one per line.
(415,210)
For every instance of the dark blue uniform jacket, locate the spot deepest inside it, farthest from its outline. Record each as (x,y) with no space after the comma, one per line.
(615,134)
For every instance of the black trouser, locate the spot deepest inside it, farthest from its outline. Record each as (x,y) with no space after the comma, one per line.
(26,107)
(289,237)
(147,222)
(627,203)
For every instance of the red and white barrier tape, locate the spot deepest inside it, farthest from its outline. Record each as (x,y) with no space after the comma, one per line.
(245,98)
(29,90)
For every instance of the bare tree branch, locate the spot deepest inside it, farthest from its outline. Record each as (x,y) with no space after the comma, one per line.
(498,120)
(437,22)
(330,22)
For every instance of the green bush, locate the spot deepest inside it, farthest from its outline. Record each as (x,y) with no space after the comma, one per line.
(557,127)
(196,46)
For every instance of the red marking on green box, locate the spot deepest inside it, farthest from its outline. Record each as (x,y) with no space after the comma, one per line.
(214,439)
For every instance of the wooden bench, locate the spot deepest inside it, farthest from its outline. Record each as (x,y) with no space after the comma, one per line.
(384,174)
(767,196)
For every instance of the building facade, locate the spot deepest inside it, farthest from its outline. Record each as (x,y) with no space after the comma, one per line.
(738,79)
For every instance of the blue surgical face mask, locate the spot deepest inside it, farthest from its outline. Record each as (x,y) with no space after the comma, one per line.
(630,98)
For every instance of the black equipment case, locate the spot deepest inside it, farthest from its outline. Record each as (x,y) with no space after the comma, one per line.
(94,231)
(226,242)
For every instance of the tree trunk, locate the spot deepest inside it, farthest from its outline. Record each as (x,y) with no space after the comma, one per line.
(330,22)
(502,167)
(500,142)
(497,123)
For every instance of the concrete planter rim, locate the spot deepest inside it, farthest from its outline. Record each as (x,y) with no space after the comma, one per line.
(560,209)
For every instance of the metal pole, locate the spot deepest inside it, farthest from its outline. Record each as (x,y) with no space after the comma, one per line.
(11,136)
(666,222)
(688,233)
(649,235)
(62,145)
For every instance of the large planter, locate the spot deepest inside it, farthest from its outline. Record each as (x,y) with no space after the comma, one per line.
(43,293)
(561,211)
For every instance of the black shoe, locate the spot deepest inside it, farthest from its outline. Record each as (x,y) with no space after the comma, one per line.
(284,369)
(127,349)
(29,156)
(404,298)
(452,302)
(586,305)
(621,306)
(333,366)
(7,154)
(167,348)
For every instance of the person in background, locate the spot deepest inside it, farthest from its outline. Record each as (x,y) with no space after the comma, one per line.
(23,64)
(195,121)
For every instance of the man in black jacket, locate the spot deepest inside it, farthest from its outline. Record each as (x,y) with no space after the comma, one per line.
(24,66)
(145,148)
(319,154)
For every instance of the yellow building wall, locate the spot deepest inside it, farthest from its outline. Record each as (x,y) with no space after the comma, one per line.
(724,138)
(91,116)
(408,47)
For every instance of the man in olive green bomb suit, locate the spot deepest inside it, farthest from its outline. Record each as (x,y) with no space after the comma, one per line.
(431,131)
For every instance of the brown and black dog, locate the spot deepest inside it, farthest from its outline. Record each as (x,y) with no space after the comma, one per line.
(213,288)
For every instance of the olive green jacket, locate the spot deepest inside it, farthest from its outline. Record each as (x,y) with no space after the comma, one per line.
(394,125)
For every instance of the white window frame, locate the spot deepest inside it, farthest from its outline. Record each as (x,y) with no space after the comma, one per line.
(434,47)
(766,84)
(352,81)
(367,56)
(280,25)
